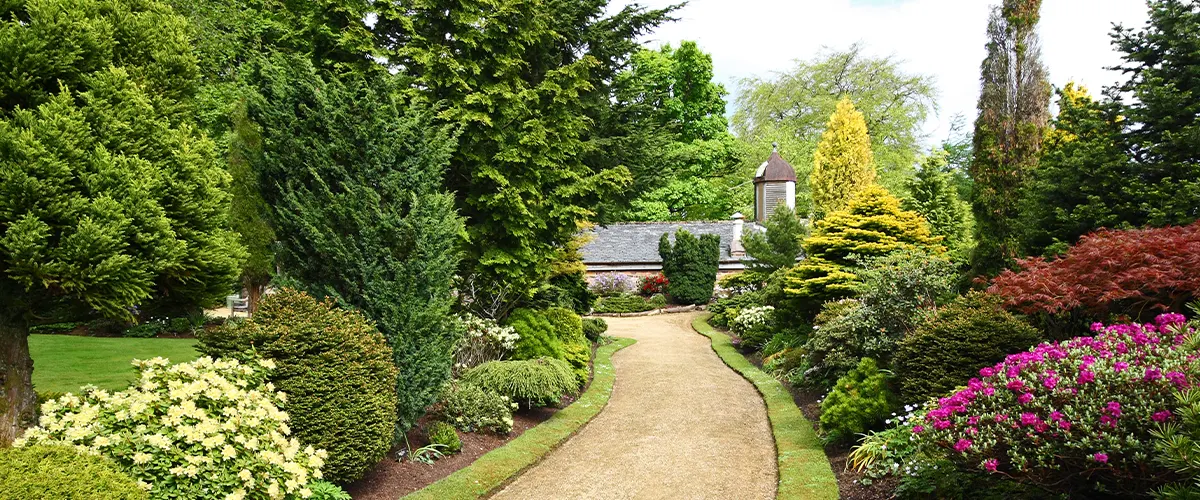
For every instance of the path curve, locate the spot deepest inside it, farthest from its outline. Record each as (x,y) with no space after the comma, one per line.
(680,424)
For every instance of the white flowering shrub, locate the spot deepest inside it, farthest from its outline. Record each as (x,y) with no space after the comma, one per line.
(751,318)
(483,340)
(205,429)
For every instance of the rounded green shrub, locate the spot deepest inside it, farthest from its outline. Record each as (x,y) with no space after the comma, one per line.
(336,369)
(469,408)
(44,471)
(445,435)
(859,400)
(538,336)
(568,326)
(579,356)
(535,382)
(593,328)
(948,349)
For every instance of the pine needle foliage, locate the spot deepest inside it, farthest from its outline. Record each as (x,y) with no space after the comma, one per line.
(843,163)
(779,246)
(1014,110)
(353,176)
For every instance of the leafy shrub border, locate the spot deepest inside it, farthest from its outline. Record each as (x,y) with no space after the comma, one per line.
(804,470)
(495,469)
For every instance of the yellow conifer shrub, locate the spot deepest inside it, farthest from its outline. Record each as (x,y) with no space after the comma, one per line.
(843,164)
(873,224)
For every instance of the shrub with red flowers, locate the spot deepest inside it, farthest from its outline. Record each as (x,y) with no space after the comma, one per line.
(1070,415)
(1110,272)
(654,285)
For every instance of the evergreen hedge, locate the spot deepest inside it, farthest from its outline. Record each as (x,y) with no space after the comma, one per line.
(690,264)
(335,368)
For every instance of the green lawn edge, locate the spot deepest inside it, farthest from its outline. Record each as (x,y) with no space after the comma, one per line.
(804,470)
(493,470)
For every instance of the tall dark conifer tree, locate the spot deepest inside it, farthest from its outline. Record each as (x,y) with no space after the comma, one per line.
(1013,111)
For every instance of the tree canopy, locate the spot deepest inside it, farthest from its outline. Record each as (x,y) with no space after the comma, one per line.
(524,107)
(794,107)
(113,201)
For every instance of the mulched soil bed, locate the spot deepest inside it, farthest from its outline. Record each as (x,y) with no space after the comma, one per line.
(391,479)
(848,487)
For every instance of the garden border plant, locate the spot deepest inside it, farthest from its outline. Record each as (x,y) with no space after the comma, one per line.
(804,470)
(494,470)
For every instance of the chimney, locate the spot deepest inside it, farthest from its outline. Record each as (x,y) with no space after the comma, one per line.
(735,246)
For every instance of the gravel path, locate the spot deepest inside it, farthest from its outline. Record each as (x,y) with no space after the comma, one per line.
(680,424)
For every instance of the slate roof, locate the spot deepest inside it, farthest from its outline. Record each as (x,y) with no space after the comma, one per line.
(637,242)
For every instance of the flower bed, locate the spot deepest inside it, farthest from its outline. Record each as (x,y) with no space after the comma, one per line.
(1072,414)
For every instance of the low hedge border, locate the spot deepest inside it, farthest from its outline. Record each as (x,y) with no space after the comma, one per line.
(495,469)
(804,470)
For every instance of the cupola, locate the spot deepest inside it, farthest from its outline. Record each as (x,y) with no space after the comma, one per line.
(774,186)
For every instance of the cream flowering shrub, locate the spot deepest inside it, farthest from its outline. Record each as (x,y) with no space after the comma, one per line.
(483,340)
(205,429)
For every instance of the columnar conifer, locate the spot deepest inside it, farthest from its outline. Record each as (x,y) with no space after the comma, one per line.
(843,164)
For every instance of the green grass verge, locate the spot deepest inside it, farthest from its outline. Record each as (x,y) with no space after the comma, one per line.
(804,470)
(493,470)
(63,363)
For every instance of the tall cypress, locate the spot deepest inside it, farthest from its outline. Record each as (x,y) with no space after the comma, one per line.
(1014,105)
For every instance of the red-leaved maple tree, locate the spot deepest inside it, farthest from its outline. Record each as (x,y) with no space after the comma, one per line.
(1136,272)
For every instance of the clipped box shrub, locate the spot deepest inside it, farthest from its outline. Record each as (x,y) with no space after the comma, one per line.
(471,409)
(535,382)
(445,435)
(336,369)
(47,471)
(1075,417)
(168,430)
(593,328)
(949,348)
(859,401)
(629,303)
(538,337)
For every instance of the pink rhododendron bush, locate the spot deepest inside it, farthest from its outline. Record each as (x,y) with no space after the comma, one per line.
(1073,414)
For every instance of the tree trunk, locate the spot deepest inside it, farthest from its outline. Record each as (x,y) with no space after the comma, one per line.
(254,293)
(17,399)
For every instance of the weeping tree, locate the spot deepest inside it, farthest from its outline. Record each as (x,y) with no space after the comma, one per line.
(111,202)
(353,177)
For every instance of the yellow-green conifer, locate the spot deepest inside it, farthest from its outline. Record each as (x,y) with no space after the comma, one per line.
(872,225)
(843,164)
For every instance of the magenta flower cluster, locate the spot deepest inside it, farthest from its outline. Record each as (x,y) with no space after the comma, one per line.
(1069,406)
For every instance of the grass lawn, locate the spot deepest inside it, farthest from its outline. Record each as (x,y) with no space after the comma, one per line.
(63,363)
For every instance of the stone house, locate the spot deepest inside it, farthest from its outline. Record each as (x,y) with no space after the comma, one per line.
(632,247)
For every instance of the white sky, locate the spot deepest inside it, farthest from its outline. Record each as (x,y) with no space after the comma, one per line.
(943,38)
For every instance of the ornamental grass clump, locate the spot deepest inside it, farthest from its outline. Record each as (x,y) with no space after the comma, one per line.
(205,429)
(1071,415)
(535,382)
